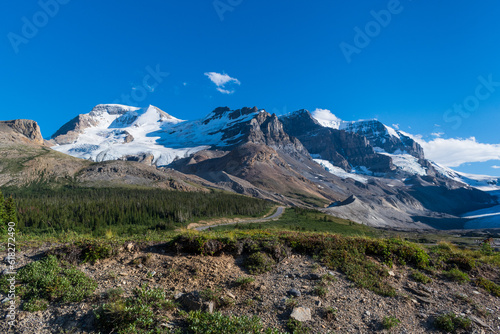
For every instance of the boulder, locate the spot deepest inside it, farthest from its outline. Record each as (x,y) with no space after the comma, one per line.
(194,302)
(301,314)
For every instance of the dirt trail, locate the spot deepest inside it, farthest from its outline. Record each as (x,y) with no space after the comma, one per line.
(276,215)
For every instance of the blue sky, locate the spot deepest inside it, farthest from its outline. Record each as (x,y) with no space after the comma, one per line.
(432,69)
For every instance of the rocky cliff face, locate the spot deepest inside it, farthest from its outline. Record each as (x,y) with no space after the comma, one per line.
(27,128)
(344,149)
(388,139)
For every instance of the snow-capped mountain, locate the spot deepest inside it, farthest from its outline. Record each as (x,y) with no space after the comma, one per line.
(116,132)
(361,147)
(294,159)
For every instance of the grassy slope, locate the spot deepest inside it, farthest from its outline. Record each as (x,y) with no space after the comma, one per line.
(296,219)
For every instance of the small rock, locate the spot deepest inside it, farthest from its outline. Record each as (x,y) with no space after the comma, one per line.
(230,295)
(294,292)
(391,273)
(301,314)
(476,292)
(478,321)
(130,246)
(425,300)
(367,313)
(178,295)
(124,274)
(312,277)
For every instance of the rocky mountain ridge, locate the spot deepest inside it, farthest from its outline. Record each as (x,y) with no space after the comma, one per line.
(293,159)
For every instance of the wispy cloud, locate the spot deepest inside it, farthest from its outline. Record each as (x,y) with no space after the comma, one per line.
(455,151)
(223,82)
(437,134)
(495,167)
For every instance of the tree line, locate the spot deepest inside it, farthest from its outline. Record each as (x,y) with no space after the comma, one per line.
(8,212)
(85,210)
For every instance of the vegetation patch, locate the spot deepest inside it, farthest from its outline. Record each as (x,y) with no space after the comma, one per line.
(457,276)
(488,285)
(244,282)
(296,327)
(305,220)
(390,322)
(330,314)
(142,313)
(420,277)
(47,281)
(451,323)
(320,290)
(85,251)
(259,263)
(206,323)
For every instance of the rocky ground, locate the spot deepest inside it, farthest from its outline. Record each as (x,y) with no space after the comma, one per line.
(343,308)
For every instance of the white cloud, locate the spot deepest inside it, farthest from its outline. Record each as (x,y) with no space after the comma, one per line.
(225,91)
(325,115)
(223,80)
(455,152)
(437,134)
(395,126)
(495,167)
(326,118)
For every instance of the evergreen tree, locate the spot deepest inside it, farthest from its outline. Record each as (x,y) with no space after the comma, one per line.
(2,213)
(11,211)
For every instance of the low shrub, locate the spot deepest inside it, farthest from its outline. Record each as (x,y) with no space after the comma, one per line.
(451,323)
(47,281)
(330,314)
(420,277)
(259,263)
(244,282)
(215,323)
(141,313)
(296,327)
(489,286)
(390,322)
(93,251)
(320,290)
(457,276)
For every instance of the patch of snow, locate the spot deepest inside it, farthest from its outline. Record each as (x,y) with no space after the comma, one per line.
(337,171)
(406,163)
(392,132)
